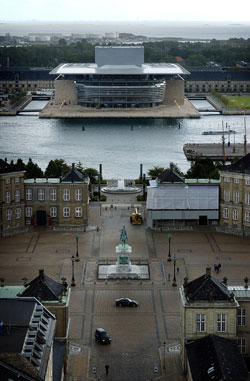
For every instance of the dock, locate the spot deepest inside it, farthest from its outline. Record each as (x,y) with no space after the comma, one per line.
(215,151)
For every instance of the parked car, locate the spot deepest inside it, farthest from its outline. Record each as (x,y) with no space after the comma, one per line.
(102,336)
(126,302)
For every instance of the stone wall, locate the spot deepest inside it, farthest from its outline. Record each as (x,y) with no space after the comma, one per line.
(65,91)
(174,94)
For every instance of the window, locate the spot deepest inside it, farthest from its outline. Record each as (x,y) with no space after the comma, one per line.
(225,213)
(236,197)
(40,194)
(66,194)
(52,194)
(241,316)
(53,211)
(242,345)
(8,214)
(17,179)
(18,212)
(7,197)
(226,195)
(78,212)
(236,181)
(221,322)
(200,322)
(247,182)
(7,180)
(28,211)
(28,194)
(17,195)
(66,212)
(226,179)
(247,198)
(78,195)
(247,216)
(235,214)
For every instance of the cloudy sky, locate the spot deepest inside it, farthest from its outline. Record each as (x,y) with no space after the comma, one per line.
(124,10)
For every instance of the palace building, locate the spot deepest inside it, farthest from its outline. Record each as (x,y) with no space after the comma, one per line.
(119,78)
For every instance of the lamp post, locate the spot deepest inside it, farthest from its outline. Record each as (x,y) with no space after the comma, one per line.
(169,251)
(77,255)
(73,273)
(174,279)
(164,363)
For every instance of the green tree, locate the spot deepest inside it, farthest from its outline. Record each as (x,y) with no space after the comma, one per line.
(92,173)
(156,172)
(56,168)
(33,170)
(203,168)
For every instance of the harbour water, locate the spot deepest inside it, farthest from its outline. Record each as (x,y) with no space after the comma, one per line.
(119,145)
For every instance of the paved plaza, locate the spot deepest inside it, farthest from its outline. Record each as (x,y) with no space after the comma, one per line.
(138,334)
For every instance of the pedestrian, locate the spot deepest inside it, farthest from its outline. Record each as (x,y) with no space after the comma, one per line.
(219,267)
(177,270)
(107,369)
(169,277)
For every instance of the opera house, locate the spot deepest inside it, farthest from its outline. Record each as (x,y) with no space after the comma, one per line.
(119,84)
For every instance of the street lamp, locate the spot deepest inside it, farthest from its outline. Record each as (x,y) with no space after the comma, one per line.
(164,361)
(174,279)
(77,255)
(169,251)
(73,273)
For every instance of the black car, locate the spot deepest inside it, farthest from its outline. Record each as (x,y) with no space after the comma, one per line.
(126,302)
(102,336)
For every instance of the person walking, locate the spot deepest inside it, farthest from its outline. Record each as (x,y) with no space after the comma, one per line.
(107,369)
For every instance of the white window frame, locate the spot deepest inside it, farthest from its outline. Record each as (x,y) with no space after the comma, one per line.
(78,194)
(247,198)
(17,179)
(236,181)
(241,342)
(241,317)
(235,214)
(53,211)
(28,194)
(7,180)
(53,194)
(18,213)
(66,195)
(226,179)
(78,212)
(200,322)
(221,323)
(236,197)
(8,214)
(247,181)
(28,211)
(17,195)
(7,197)
(40,194)
(66,212)
(225,213)
(247,215)
(226,195)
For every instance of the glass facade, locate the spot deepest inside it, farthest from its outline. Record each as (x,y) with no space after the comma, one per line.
(120,91)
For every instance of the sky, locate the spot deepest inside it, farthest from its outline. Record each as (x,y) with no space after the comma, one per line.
(124,10)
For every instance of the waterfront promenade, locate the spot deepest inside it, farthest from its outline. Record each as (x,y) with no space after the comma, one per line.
(138,334)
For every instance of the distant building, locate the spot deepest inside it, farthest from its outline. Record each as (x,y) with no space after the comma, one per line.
(235,197)
(12,204)
(119,78)
(57,202)
(174,201)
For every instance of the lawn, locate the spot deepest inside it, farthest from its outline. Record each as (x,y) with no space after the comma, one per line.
(238,102)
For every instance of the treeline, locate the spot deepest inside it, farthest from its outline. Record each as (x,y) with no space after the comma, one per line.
(226,53)
(203,168)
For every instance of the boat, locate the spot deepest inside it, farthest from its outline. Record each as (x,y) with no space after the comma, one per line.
(218,132)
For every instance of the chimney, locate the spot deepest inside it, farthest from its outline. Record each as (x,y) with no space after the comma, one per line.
(41,273)
(208,272)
